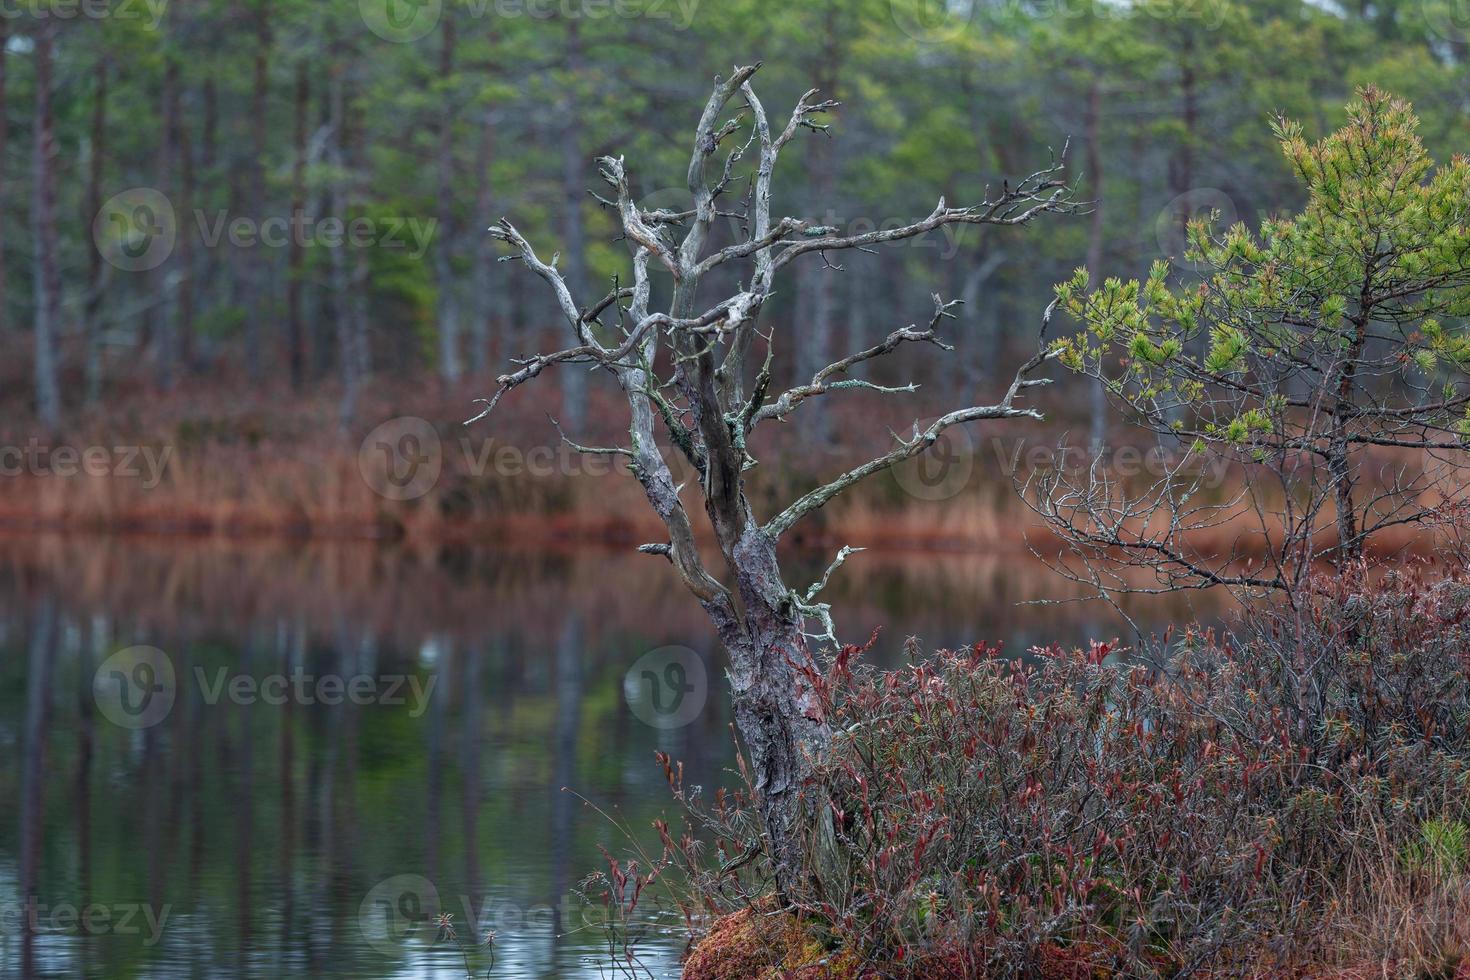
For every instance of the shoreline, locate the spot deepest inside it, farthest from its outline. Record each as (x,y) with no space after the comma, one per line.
(519,532)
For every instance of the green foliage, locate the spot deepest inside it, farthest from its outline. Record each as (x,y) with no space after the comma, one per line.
(1378,256)
(1443,848)
(948,96)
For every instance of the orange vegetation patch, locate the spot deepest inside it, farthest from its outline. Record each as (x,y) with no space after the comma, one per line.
(756,943)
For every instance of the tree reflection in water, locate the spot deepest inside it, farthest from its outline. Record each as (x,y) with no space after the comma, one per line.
(241,834)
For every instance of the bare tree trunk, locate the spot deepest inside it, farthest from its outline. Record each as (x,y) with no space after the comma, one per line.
(47,271)
(1349,542)
(448,305)
(96,268)
(777,714)
(573,227)
(776,710)
(1093,127)
(295,327)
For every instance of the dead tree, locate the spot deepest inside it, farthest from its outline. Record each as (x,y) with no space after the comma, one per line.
(685,373)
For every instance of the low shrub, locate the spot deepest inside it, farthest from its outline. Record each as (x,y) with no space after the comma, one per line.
(1289,798)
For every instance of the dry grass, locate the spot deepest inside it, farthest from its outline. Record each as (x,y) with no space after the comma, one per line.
(1388,919)
(249,461)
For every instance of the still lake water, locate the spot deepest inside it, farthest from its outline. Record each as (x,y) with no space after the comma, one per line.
(327,743)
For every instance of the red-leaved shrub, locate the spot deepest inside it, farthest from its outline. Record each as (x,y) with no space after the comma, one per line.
(1238,804)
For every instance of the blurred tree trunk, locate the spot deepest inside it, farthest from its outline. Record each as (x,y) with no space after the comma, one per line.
(4,136)
(1093,135)
(96,268)
(164,339)
(209,139)
(354,130)
(47,271)
(573,227)
(983,365)
(184,310)
(325,329)
(1181,161)
(349,273)
(486,302)
(255,261)
(295,327)
(818,285)
(35,756)
(1181,165)
(448,305)
(210,281)
(337,261)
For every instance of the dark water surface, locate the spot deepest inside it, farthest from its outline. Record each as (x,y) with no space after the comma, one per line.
(326,744)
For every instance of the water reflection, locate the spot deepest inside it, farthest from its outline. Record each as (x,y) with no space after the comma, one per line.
(346,715)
